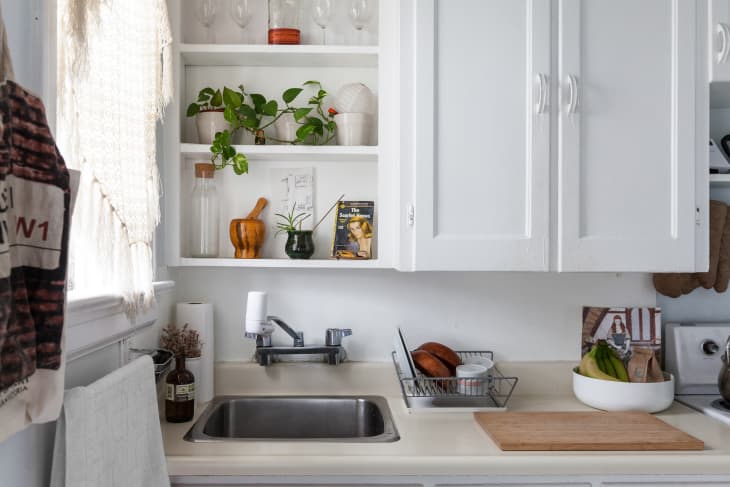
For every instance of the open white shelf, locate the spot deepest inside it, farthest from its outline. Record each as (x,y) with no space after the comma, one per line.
(277,55)
(284,263)
(308,153)
(720,179)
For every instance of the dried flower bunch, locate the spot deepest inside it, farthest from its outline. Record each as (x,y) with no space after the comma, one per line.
(182,342)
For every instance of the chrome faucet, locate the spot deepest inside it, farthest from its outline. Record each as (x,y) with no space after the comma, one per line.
(332,349)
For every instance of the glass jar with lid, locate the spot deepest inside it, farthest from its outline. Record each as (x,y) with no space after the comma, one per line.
(284,21)
(205,213)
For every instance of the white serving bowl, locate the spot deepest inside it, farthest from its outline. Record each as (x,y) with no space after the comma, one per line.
(608,395)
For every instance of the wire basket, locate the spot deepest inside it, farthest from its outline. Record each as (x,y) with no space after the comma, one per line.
(492,392)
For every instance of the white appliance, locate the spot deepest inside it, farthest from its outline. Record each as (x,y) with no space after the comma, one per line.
(692,354)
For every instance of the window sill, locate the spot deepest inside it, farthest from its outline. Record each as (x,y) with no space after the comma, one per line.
(96,321)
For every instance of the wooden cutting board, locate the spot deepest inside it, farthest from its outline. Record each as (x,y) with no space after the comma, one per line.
(579,431)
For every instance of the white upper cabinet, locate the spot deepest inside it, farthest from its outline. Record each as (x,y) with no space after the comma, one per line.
(719,40)
(576,149)
(482,134)
(626,135)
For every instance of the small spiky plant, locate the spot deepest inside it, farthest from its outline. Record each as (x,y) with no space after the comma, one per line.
(182,342)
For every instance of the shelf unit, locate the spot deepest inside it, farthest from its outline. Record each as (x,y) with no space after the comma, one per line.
(361,172)
(281,56)
(326,153)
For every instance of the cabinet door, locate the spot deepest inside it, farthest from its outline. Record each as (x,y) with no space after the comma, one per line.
(626,135)
(482,134)
(719,38)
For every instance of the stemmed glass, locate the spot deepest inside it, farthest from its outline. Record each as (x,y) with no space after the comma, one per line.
(360,13)
(322,14)
(241,12)
(205,11)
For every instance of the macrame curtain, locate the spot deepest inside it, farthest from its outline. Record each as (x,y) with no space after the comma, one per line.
(114,79)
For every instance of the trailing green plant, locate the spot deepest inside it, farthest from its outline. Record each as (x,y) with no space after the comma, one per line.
(253,112)
(290,222)
(208,99)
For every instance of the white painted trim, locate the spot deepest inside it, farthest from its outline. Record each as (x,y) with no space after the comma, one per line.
(95,322)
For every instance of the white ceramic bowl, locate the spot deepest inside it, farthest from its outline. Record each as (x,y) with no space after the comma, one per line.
(608,395)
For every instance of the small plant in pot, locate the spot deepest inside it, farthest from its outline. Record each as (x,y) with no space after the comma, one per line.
(208,112)
(299,243)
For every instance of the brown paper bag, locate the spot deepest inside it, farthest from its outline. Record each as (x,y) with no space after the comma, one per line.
(643,366)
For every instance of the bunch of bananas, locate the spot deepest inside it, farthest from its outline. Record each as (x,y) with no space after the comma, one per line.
(602,363)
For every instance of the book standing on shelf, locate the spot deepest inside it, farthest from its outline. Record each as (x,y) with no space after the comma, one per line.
(354,231)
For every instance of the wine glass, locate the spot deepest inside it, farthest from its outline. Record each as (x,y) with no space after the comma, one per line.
(205,11)
(241,12)
(322,14)
(360,13)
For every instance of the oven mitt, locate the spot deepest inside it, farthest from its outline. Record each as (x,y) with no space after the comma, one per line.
(723,265)
(675,285)
(718,214)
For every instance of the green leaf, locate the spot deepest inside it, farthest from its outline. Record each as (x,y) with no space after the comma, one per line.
(206,94)
(319,130)
(314,121)
(230,115)
(251,123)
(258,101)
(300,113)
(228,152)
(248,112)
(240,164)
(231,98)
(193,109)
(271,108)
(304,131)
(217,99)
(289,95)
(321,94)
(331,125)
(310,82)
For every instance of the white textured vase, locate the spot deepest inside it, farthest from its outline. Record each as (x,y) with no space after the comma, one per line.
(286,127)
(195,366)
(353,128)
(209,123)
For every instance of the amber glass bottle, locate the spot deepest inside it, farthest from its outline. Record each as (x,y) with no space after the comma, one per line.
(180,398)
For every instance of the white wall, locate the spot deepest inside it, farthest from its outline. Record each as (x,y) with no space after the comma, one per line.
(520,316)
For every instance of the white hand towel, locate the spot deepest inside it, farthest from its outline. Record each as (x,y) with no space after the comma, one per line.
(109,433)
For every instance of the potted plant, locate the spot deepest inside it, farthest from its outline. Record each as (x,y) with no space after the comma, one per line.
(253,113)
(299,243)
(208,112)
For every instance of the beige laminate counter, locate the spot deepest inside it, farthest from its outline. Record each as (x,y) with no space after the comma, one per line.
(431,443)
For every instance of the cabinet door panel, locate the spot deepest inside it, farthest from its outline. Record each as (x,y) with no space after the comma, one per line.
(626,135)
(482,150)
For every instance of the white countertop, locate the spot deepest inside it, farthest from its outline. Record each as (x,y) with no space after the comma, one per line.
(431,443)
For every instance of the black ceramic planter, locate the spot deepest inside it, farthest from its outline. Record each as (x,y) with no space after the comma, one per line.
(299,244)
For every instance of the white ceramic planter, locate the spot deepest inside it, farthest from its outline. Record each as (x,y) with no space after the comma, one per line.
(208,124)
(353,128)
(286,127)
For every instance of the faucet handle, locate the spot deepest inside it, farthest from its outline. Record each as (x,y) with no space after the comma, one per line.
(334,336)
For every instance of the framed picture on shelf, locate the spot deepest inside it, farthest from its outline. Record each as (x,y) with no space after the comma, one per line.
(354,231)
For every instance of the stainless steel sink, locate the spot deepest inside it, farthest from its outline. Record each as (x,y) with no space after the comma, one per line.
(364,419)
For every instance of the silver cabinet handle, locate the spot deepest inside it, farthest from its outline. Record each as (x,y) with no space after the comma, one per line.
(723,34)
(572,105)
(543,93)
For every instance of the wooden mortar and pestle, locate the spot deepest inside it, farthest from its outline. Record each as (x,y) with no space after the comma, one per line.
(247,234)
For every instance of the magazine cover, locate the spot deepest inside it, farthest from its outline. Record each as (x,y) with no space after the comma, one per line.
(623,328)
(354,231)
